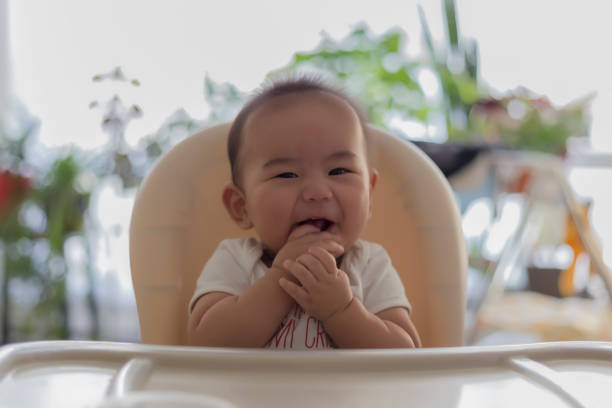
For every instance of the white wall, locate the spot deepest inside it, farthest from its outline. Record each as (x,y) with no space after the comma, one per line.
(557,48)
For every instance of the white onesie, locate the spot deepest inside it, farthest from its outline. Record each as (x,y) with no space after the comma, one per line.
(236,265)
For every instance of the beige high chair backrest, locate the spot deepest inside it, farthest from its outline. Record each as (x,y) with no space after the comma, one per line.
(178,220)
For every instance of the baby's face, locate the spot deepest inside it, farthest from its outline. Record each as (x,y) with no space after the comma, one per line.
(304,162)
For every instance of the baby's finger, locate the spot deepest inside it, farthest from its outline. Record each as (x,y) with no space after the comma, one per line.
(301,273)
(330,237)
(325,258)
(336,249)
(301,231)
(314,266)
(297,293)
(333,247)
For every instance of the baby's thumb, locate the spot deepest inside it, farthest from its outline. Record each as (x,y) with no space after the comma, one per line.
(334,248)
(302,230)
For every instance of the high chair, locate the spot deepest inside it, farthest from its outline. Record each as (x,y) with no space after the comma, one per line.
(178,220)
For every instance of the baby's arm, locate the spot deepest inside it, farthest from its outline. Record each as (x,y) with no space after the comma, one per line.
(355,327)
(251,318)
(325,293)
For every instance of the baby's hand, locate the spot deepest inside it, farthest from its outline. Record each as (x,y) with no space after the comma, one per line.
(324,290)
(303,238)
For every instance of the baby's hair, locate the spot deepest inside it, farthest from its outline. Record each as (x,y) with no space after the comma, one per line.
(272,90)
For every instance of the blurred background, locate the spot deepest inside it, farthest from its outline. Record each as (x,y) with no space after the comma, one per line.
(511,100)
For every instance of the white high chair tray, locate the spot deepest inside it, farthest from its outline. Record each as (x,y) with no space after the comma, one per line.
(102,374)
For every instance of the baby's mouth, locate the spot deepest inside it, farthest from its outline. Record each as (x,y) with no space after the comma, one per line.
(321,224)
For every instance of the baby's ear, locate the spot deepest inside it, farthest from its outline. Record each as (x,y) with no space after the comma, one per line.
(373,180)
(235,204)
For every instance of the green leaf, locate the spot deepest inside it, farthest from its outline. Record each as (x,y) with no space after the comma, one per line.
(390,43)
(471,60)
(450,15)
(468,90)
(427,34)
(422,113)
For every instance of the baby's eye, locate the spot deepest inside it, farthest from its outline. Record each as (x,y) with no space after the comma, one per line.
(338,171)
(286,174)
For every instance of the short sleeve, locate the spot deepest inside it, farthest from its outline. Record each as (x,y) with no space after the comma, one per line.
(227,271)
(382,286)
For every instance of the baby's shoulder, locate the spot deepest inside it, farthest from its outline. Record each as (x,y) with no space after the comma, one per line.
(363,250)
(368,262)
(244,244)
(246,251)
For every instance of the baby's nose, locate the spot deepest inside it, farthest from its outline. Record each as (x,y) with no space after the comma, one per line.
(316,190)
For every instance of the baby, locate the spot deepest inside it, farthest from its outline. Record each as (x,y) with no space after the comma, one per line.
(301,177)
